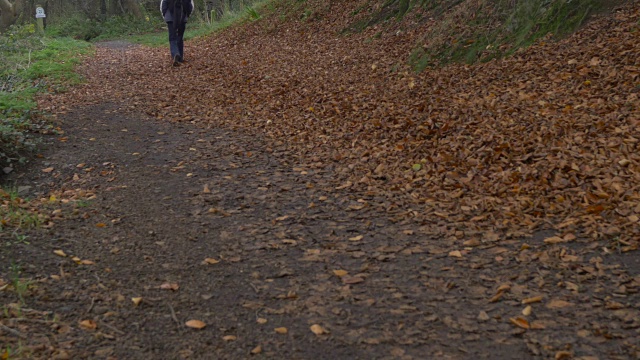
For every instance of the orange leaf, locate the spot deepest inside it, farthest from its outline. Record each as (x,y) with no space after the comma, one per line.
(520,322)
(195,324)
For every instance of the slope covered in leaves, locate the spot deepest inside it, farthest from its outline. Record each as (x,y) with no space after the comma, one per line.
(545,139)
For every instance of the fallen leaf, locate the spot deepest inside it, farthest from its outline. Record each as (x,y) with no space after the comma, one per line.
(520,322)
(170,286)
(351,279)
(88,324)
(527,311)
(59,253)
(195,324)
(206,189)
(211,261)
(455,253)
(318,330)
(261,321)
(558,304)
(356,238)
(256,350)
(101,225)
(483,316)
(136,300)
(554,240)
(532,300)
(340,273)
(47,170)
(281,330)
(561,355)
(229,338)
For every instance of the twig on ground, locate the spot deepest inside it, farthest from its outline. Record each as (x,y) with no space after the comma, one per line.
(110,327)
(173,315)
(255,288)
(12,331)
(90,306)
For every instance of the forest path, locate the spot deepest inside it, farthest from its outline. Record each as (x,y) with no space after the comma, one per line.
(192,220)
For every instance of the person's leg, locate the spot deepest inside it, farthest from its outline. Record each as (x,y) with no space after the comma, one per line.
(180,40)
(173,40)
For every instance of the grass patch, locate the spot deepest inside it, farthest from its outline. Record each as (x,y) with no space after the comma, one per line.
(16,213)
(31,65)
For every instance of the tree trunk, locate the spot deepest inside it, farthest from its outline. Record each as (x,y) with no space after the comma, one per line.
(8,14)
(134,8)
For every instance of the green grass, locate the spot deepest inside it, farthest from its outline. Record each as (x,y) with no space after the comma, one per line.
(31,65)
(14,214)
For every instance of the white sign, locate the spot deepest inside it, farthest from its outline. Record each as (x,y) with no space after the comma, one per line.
(40,13)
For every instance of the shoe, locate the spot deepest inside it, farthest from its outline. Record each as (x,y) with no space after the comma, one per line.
(176,60)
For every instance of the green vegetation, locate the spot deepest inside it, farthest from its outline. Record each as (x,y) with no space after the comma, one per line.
(15,214)
(500,28)
(471,31)
(82,28)
(20,286)
(199,27)
(30,65)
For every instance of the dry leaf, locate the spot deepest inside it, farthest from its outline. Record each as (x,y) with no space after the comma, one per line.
(256,350)
(229,338)
(340,273)
(47,170)
(455,253)
(561,355)
(527,311)
(520,322)
(261,321)
(356,238)
(554,240)
(483,316)
(195,324)
(170,286)
(136,300)
(318,330)
(532,300)
(88,324)
(351,279)
(558,304)
(211,261)
(59,253)
(281,330)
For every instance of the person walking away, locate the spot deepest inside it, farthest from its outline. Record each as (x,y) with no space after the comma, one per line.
(175,14)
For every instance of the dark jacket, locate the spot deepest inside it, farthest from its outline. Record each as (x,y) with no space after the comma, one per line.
(184,8)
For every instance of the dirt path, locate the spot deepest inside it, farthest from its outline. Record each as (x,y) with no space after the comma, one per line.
(171,196)
(221,226)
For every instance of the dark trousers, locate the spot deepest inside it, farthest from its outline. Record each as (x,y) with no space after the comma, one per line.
(176,41)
